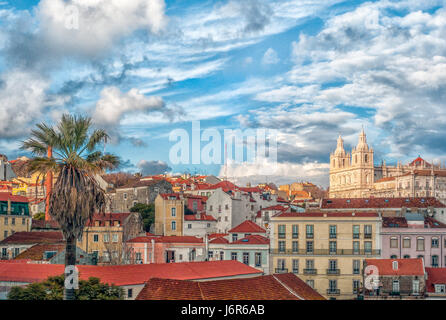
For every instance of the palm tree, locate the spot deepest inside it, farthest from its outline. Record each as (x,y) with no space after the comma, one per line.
(76,195)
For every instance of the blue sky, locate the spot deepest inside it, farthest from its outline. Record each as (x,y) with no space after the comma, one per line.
(309,69)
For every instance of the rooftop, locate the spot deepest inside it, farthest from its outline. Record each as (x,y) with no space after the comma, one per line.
(335,214)
(247,226)
(26,237)
(129,274)
(252,239)
(36,252)
(4,196)
(406,267)
(435,276)
(167,239)
(357,203)
(270,287)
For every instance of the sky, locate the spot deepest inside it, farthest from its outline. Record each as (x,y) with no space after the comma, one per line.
(309,69)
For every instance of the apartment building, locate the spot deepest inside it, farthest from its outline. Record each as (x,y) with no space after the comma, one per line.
(14,214)
(169,214)
(325,249)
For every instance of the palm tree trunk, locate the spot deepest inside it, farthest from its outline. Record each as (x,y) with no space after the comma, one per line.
(70,260)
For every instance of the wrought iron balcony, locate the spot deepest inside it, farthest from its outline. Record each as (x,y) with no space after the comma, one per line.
(295,235)
(367,236)
(333,271)
(310,271)
(334,291)
(281,270)
(326,252)
(281,235)
(295,270)
(310,235)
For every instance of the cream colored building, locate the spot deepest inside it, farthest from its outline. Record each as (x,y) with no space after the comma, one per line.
(354,175)
(325,249)
(169,214)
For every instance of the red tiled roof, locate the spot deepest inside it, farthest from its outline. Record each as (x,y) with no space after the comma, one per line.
(219,240)
(33,237)
(225,185)
(432,223)
(167,239)
(37,251)
(202,217)
(328,214)
(278,207)
(110,216)
(419,161)
(168,196)
(247,226)
(435,276)
(357,203)
(269,287)
(141,183)
(129,274)
(394,222)
(6,196)
(217,235)
(252,239)
(251,189)
(406,267)
(43,224)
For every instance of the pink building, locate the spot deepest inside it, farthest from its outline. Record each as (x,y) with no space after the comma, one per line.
(165,249)
(414,236)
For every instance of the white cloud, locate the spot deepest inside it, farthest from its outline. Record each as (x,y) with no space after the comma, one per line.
(100,22)
(114,105)
(270,57)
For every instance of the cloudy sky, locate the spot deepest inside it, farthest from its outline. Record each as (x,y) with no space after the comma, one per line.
(310,69)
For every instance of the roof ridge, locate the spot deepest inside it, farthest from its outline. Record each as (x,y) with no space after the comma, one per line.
(201,291)
(288,288)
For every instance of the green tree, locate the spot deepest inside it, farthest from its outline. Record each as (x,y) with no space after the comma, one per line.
(147,212)
(53,289)
(76,195)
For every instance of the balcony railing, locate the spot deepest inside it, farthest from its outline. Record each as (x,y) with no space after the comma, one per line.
(310,235)
(333,291)
(295,270)
(333,271)
(282,236)
(367,236)
(295,235)
(332,235)
(310,271)
(355,235)
(322,252)
(281,270)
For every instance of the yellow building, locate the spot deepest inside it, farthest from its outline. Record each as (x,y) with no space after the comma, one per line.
(169,214)
(14,215)
(325,249)
(106,234)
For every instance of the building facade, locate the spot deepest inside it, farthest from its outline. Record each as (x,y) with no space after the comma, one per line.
(325,249)
(14,215)
(169,214)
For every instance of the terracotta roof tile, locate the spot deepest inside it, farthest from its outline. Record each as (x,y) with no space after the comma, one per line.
(4,196)
(357,203)
(33,237)
(406,267)
(289,214)
(247,226)
(36,252)
(219,240)
(435,276)
(167,239)
(252,239)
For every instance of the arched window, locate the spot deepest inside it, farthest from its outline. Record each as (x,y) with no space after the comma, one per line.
(406,256)
(365,158)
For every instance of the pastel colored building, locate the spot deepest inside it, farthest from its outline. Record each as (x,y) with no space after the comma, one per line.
(14,214)
(19,242)
(414,236)
(165,249)
(169,214)
(199,225)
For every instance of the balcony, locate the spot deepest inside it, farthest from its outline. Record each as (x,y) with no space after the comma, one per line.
(295,235)
(334,272)
(310,235)
(281,270)
(333,291)
(332,235)
(310,271)
(326,252)
(295,270)
(367,236)
(356,236)
(282,236)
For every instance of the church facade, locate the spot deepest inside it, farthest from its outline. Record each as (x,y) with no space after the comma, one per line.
(354,175)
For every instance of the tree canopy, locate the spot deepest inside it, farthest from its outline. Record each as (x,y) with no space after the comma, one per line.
(147,212)
(53,289)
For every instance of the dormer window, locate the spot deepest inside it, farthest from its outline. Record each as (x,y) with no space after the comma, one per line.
(395,265)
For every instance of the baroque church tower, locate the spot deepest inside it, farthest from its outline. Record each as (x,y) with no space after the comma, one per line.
(351,175)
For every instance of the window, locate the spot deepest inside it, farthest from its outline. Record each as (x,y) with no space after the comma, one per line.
(23,221)
(281,246)
(234,237)
(281,264)
(282,231)
(173,211)
(406,256)
(356,266)
(332,286)
(16,252)
(332,265)
(356,284)
(416,286)
(258,259)
(6,221)
(434,243)
(5,234)
(174,225)
(138,256)
(310,283)
(396,286)
(233,255)
(115,237)
(332,231)
(309,264)
(295,231)
(333,247)
(13,221)
(106,237)
(434,261)
(246,258)
(406,243)
(355,247)
(125,196)
(368,231)
(310,248)
(393,256)
(226,207)
(295,266)
(210,255)
(355,232)
(4,252)
(129,293)
(189,226)
(420,244)
(368,247)
(394,242)
(440,288)
(95,238)
(295,246)
(310,229)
